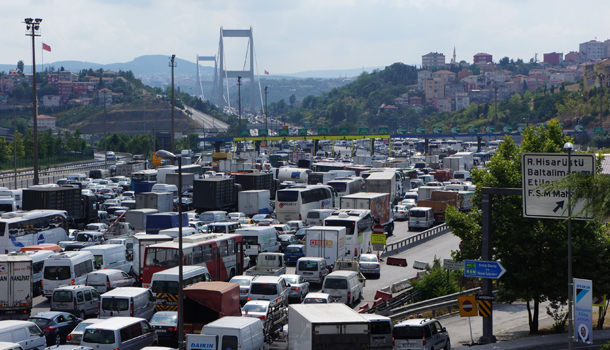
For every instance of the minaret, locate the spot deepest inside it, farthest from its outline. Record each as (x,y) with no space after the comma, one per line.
(453,61)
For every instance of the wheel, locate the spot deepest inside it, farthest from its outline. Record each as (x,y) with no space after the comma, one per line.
(232,273)
(301,298)
(57,339)
(447,345)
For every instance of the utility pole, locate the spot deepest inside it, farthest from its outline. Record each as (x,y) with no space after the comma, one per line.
(239,112)
(495,104)
(266,126)
(173,65)
(15,137)
(601,92)
(105,131)
(33,29)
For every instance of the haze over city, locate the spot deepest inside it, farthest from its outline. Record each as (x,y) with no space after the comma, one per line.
(295,36)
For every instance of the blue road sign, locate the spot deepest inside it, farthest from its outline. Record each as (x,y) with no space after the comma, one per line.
(483,269)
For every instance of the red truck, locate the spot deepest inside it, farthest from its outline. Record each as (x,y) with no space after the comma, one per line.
(205,302)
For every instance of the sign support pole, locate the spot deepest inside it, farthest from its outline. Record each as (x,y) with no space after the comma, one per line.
(470,325)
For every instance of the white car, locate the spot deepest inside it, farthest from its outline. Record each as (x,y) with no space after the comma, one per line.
(317,298)
(96,227)
(369,264)
(244,286)
(256,308)
(401,212)
(236,215)
(409,203)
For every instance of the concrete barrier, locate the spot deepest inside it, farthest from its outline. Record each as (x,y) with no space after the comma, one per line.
(420,265)
(378,302)
(364,308)
(400,285)
(396,261)
(383,295)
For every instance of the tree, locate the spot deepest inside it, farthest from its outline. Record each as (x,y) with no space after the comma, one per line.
(292,99)
(535,249)
(20,147)
(19,92)
(20,66)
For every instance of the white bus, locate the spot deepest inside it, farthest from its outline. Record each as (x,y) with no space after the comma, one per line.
(294,203)
(20,229)
(164,284)
(347,185)
(358,225)
(144,175)
(186,169)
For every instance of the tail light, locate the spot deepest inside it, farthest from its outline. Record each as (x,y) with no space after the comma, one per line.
(355,252)
(107,283)
(423,337)
(48,329)
(300,217)
(320,274)
(259,248)
(69,337)
(377,266)
(72,282)
(262,317)
(131,310)
(172,329)
(349,295)
(295,288)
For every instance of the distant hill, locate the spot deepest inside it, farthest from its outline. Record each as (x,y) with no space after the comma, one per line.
(150,65)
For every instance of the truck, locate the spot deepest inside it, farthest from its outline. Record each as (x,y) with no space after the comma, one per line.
(161,221)
(137,217)
(349,264)
(291,174)
(128,168)
(268,264)
(142,186)
(230,332)
(140,242)
(80,207)
(7,204)
(187,180)
(254,202)
(205,302)
(441,199)
(468,159)
(425,192)
(16,286)
(326,242)
(383,182)
(320,178)
(377,203)
(327,326)
(214,194)
(161,201)
(454,163)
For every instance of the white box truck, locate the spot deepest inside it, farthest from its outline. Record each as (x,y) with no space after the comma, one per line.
(327,326)
(16,286)
(162,201)
(377,203)
(425,192)
(254,202)
(383,182)
(326,242)
(137,217)
(453,163)
(140,242)
(229,332)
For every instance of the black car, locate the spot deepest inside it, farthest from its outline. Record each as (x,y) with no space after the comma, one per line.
(55,325)
(166,323)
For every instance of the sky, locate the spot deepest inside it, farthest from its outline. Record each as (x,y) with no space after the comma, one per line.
(293,36)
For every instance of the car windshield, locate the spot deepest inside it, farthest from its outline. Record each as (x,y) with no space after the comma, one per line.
(263,289)
(291,280)
(259,216)
(335,283)
(308,266)
(408,332)
(315,301)
(206,217)
(241,281)
(115,304)
(381,328)
(252,240)
(164,319)
(264,223)
(368,258)
(417,213)
(254,308)
(81,326)
(293,250)
(57,272)
(98,336)
(40,322)
(62,296)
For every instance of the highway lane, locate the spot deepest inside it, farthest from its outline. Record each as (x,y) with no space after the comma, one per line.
(206,120)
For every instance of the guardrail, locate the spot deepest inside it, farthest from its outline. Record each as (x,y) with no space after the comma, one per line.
(449,300)
(406,243)
(25,176)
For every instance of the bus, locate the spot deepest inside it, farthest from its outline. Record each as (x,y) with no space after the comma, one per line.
(20,229)
(144,175)
(164,284)
(99,173)
(347,185)
(358,225)
(278,157)
(294,203)
(186,169)
(222,254)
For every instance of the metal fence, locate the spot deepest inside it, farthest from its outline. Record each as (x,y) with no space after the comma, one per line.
(429,305)
(23,163)
(406,243)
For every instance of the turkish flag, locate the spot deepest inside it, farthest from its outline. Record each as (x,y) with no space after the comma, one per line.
(46,47)
(266,73)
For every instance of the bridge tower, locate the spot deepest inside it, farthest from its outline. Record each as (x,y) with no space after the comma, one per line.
(199,82)
(224,73)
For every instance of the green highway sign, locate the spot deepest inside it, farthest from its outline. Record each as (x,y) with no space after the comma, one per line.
(263,132)
(579,127)
(473,129)
(598,130)
(244,132)
(283,132)
(302,132)
(437,130)
(343,131)
(383,131)
(490,129)
(420,130)
(521,128)
(322,131)
(507,129)
(401,131)
(363,131)
(455,130)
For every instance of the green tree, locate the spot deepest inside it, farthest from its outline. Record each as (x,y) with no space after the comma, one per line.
(533,249)
(20,66)
(19,92)
(20,147)
(5,150)
(292,99)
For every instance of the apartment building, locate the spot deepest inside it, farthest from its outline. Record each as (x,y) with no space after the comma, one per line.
(593,49)
(554,58)
(482,58)
(45,122)
(434,88)
(596,74)
(433,59)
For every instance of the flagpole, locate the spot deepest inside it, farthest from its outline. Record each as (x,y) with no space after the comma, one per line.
(42,56)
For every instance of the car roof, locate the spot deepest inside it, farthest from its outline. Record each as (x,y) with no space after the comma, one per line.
(416,322)
(258,302)
(167,313)
(243,277)
(48,314)
(317,295)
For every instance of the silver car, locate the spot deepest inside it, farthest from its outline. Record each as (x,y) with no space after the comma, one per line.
(369,264)
(244,286)
(298,287)
(401,212)
(256,308)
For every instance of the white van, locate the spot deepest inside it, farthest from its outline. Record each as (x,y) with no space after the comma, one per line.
(110,256)
(105,280)
(343,286)
(64,269)
(38,257)
(78,300)
(315,217)
(25,333)
(76,177)
(421,217)
(230,332)
(381,331)
(15,194)
(223,227)
(313,269)
(208,217)
(4,345)
(128,301)
(122,333)
(259,239)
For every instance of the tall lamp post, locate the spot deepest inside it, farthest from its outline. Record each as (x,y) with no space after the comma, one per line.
(168,155)
(569,146)
(266,127)
(32,27)
(172,64)
(239,113)
(601,93)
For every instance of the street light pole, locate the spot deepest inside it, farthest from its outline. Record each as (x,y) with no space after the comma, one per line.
(105,132)
(568,146)
(601,92)
(172,64)
(33,29)
(239,112)
(266,127)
